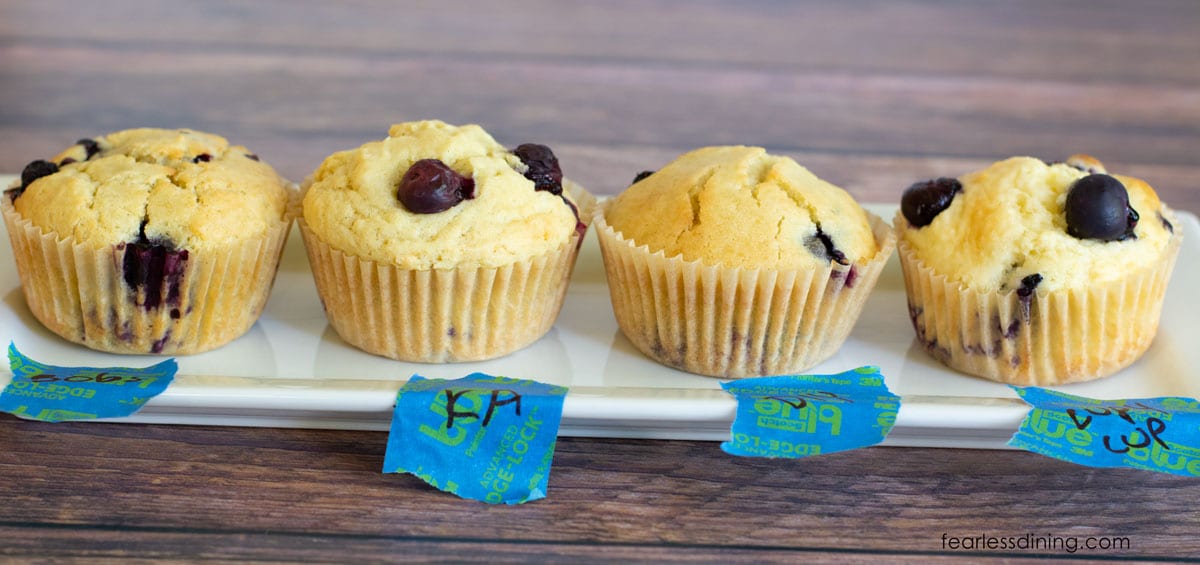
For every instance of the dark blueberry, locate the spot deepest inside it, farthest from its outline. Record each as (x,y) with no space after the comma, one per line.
(1028,285)
(1166,223)
(90,146)
(202,158)
(31,173)
(923,201)
(1025,295)
(430,187)
(1098,207)
(66,161)
(641,176)
(161,343)
(252,156)
(543,168)
(35,171)
(151,265)
(822,246)
(13,193)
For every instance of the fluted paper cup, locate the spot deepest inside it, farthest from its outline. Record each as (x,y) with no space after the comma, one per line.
(732,322)
(178,303)
(1043,339)
(443,315)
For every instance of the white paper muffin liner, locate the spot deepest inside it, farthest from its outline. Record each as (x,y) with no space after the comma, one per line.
(1048,338)
(444,315)
(732,322)
(80,293)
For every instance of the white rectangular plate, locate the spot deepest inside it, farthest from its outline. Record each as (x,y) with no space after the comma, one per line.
(292,370)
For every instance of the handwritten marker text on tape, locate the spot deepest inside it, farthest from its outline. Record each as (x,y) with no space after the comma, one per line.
(801,415)
(54,394)
(479,437)
(1154,434)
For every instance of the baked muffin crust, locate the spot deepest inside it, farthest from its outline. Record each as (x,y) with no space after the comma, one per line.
(179,188)
(1008,223)
(738,206)
(352,202)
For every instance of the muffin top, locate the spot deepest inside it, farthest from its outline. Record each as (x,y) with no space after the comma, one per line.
(740,207)
(178,188)
(1024,224)
(432,195)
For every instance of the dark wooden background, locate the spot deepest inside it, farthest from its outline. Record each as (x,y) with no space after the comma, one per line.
(871,95)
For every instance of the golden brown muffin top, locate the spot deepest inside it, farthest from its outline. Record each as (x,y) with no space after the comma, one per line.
(353,205)
(181,188)
(1009,222)
(738,206)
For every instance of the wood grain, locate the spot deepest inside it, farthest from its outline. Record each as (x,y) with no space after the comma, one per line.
(870,95)
(1098,41)
(268,489)
(113,545)
(912,82)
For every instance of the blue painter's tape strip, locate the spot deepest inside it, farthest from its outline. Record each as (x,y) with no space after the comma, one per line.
(1153,434)
(797,416)
(54,394)
(480,437)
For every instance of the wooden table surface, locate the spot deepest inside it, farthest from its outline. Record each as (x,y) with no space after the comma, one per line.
(870,95)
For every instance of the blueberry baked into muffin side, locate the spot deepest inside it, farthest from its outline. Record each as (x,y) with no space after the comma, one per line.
(148,240)
(439,244)
(1036,273)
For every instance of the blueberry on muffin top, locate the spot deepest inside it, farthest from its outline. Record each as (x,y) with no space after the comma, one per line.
(432,195)
(1023,223)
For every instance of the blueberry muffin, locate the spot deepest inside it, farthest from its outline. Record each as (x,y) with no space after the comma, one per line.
(731,262)
(1036,273)
(148,240)
(439,244)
